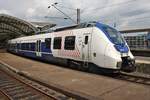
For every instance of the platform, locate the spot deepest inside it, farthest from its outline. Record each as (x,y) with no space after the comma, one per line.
(140,59)
(140,49)
(143,64)
(141,52)
(101,87)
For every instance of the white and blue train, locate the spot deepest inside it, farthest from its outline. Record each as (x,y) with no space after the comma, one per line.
(85,44)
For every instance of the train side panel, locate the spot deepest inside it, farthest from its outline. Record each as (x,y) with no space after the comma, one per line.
(98,45)
(80,51)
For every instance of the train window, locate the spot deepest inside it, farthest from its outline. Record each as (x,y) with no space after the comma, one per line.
(22,46)
(57,43)
(18,46)
(69,43)
(27,46)
(86,40)
(48,43)
(32,46)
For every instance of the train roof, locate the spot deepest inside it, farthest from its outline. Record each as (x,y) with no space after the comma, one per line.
(26,38)
(77,26)
(56,29)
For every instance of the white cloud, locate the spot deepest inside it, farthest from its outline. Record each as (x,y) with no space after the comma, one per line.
(3,11)
(124,14)
(30,12)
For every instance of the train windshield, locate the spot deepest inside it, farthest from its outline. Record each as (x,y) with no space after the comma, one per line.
(114,35)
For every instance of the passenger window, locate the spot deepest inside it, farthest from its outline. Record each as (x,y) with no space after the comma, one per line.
(70,43)
(23,46)
(57,43)
(48,43)
(33,47)
(27,46)
(86,40)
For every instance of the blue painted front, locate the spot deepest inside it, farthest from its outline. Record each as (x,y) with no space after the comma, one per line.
(119,47)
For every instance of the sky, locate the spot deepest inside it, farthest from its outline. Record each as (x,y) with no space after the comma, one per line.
(126,14)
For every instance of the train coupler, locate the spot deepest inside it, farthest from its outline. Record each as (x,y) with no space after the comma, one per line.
(128,64)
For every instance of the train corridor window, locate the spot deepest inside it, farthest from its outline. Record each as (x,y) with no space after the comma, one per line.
(86,40)
(32,46)
(57,43)
(69,43)
(27,46)
(48,43)
(22,46)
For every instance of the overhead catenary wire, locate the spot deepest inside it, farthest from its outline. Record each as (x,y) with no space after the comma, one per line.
(99,8)
(56,17)
(117,4)
(67,7)
(108,6)
(64,14)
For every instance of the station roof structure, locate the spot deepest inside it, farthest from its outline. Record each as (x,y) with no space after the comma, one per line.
(9,24)
(12,27)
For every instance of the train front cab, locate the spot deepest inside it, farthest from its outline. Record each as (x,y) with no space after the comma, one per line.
(117,55)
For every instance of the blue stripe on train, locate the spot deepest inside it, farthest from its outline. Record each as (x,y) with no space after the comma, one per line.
(45,56)
(29,54)
(43,47)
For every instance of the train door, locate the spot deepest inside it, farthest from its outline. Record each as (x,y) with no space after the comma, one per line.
(86,47)
(16,47)
(38,48)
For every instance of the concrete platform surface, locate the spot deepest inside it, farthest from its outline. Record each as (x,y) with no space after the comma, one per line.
(101,87)
(140,59)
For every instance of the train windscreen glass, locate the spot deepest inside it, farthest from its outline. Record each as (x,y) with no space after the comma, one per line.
(114,35)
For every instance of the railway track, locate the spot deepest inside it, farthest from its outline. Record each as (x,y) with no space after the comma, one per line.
(3,97)
(133,78)
(15,88)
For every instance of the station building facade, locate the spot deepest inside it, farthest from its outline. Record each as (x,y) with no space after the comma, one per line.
(137,39)
(148,39)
